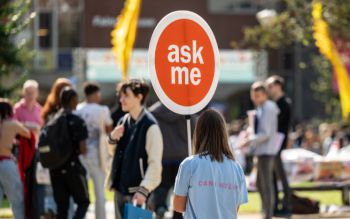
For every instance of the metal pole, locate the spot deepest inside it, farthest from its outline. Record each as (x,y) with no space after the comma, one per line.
(189,139)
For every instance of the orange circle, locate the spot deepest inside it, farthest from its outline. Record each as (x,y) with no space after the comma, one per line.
(185,32)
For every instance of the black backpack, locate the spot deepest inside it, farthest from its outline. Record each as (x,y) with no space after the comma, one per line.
(55,143)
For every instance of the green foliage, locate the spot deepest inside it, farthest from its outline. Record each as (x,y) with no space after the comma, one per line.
(14,18)
(294,26)
(323,87)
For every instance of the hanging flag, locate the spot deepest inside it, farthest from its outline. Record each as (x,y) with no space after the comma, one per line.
(328,49)
(124,33)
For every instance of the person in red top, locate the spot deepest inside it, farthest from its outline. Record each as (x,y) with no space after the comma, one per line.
(28,110)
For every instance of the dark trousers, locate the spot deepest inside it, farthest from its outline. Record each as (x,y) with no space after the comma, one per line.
(70,181)
(265,184)
(280,174)
(159,197)
(119,202)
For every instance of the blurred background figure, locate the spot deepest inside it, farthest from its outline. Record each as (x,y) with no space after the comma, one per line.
(174,131)
(28,110)
(275,85)
(98,121)
(69,179)
(311,140)
(263,141)
(235,137)
(47,205)
(10,182)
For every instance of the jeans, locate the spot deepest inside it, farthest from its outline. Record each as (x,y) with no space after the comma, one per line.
(98,178)
(11,185)
(70,181)
(265,184)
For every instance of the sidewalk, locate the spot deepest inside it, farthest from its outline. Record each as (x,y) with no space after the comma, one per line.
(6,213)
(110,214)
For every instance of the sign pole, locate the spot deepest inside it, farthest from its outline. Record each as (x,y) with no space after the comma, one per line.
(189,139)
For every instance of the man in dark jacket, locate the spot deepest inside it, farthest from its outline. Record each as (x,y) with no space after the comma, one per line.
(173,128)
(136,168)
(275,86)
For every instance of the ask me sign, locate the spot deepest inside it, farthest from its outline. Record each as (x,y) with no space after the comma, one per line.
(184,62)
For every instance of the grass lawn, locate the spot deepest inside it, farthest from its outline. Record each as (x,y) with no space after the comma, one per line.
(325,198)
(253,206)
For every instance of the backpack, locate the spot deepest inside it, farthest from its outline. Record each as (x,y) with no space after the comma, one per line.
(55,143)
(301,205)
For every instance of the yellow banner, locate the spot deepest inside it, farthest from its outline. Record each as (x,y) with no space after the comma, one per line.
(124,34)
(328,49)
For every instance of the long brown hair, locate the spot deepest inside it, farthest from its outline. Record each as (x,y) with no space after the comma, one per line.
(210,136)
(52,103)
(6,111)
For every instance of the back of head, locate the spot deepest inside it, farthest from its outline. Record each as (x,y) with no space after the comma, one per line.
(53,99)
(6,111)
(137,87)
(258,86)
(30,83)
(210,137)
(275,80)
(66,96)
(91,88)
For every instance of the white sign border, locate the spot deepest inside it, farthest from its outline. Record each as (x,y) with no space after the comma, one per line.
(171,17)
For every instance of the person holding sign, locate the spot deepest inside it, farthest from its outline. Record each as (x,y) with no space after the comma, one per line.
(137,162)
(210,184)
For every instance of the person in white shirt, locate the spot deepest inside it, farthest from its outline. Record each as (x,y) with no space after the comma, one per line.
(99,122)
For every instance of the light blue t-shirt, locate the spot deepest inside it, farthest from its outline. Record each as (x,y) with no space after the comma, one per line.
(213,189)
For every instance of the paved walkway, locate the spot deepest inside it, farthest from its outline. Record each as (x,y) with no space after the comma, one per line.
(110,214)
(5,213)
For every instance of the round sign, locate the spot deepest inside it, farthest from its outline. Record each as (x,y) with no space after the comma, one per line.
(183,61)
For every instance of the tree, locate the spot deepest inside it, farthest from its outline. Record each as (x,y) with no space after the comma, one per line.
(293,25)
(14,54)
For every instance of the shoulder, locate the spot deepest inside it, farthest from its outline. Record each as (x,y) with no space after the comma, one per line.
(104,109)
(189,161)
(271,106)
(13,123)
(38,106)
(75,119)
(18,105)
(287,100)
(238,168)
(149,118)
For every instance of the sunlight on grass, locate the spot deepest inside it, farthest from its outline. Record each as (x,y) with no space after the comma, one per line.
(109,194)
(325,198)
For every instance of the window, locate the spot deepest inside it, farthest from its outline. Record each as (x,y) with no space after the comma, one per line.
(45,30)
(239,6)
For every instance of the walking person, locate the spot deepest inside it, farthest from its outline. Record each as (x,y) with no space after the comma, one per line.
(263,141)
(275,85)
(46,202)
(137,162)
(28,110)
(10,182)
(210,184)
(173,128)
(69,179)
(98,122)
